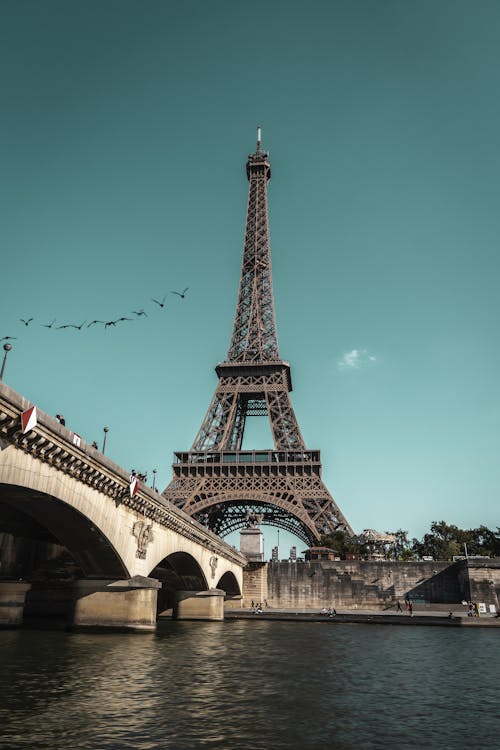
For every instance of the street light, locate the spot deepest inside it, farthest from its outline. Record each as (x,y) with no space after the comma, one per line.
(6,348)
(154,479)
(105,430)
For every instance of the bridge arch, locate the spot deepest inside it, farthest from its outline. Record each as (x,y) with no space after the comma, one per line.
(178,569)
(181,571)
(229,583)
(39,518)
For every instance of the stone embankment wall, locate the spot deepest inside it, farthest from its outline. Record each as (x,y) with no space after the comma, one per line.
(484,581)
(255,584)
(378,584)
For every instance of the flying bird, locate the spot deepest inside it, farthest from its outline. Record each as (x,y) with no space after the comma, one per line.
(72,325)
(26,322)
(162,303)
(181,294)
(139,313)
(9,338)
(49,325)
(114,322)
(95,321)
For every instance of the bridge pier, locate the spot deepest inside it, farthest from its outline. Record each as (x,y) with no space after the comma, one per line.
(12,598)
(199,605)
(85,603)
(122,604)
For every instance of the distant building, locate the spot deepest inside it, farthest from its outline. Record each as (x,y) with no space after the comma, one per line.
(293,554)
(321,553)
(274,554)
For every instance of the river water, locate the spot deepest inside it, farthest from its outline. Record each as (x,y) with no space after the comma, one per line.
(251,685)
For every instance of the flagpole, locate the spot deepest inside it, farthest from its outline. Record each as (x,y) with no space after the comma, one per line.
(6,348)
(105,430)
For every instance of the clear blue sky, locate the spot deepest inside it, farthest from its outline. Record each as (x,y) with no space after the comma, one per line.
(124,131)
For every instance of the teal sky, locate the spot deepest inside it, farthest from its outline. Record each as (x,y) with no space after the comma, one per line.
(124,130)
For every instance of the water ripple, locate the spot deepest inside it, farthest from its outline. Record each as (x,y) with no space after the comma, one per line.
(250,685)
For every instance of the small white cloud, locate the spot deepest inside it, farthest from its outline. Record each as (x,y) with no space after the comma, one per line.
(350,359)
(354,359)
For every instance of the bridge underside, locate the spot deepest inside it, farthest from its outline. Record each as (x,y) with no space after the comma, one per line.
(53,530)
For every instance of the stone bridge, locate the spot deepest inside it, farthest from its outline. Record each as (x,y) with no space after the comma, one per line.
(79,541)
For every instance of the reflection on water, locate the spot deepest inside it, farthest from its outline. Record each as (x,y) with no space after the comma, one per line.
(251,685)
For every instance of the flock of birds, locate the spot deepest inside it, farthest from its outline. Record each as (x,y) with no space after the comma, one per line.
(106,323)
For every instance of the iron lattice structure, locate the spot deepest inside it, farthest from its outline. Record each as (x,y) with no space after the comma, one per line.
(217,482)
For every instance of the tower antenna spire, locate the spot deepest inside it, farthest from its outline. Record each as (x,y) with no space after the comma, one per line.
(259,129)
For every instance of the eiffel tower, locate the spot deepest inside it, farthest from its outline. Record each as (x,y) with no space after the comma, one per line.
(216,481)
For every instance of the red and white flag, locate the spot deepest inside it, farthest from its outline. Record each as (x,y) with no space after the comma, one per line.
(77,440)
(133,486)
(28,419)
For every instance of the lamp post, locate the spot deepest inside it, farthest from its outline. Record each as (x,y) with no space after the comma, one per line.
(154,479)
(6,348)
(105,430)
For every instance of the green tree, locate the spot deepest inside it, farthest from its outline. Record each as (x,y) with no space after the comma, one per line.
(440,543)
(341,542)
(403,549)
(484,541)
(446,540)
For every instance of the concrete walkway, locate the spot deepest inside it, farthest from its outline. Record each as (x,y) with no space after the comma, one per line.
(386,617)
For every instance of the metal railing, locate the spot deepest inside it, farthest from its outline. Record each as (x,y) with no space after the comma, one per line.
(248,457)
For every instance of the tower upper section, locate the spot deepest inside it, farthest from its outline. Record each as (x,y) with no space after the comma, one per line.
(254,337)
